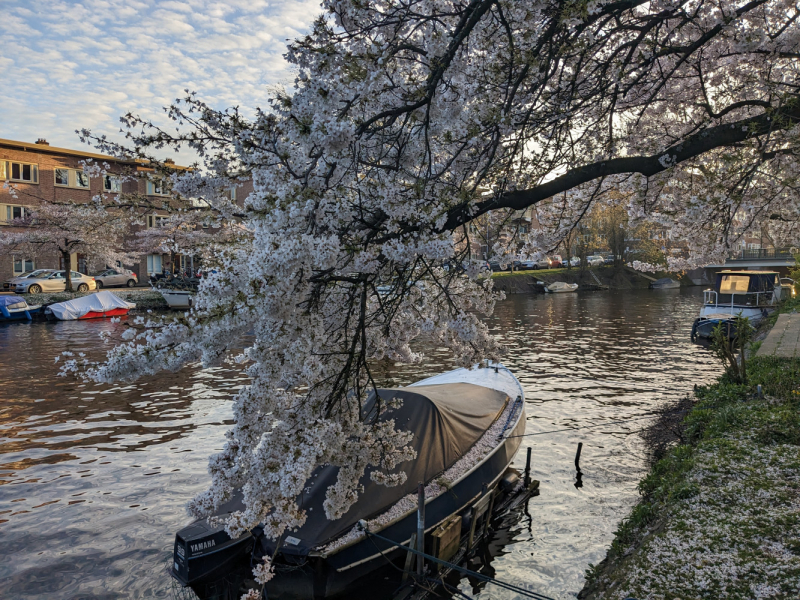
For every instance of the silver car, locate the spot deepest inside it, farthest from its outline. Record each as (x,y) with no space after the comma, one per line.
(55,281)
(111,277)
(12,283)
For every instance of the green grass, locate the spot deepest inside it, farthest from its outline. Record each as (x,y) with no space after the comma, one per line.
(719,515)
(546,272)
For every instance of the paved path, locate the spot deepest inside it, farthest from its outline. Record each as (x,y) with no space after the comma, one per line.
(784,338)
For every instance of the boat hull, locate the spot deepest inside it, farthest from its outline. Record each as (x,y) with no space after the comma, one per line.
(178,299)
(117,312)
(333,575)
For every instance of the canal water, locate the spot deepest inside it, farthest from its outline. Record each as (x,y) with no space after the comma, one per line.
(94,479)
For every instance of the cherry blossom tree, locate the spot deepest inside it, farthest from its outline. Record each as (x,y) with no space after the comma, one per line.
(199,233)
(91,229)
(685,112)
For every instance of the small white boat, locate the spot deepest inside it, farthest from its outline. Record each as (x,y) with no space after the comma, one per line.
(180,299)
(559,287)
(15,308)
(665,283)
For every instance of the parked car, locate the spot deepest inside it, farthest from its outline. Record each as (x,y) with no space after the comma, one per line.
(555,261)
(575,261)
(595,260)
(12,283)
(527,265)
(543,263)
(112,277)
(55,281)
(609,260)
(499,264)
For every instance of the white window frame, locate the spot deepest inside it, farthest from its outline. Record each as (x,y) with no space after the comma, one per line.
(73,178)
(22,262)
(112,183)
(9,170)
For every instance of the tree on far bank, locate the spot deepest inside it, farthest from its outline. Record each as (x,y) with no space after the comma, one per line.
(401,116)
(64,229)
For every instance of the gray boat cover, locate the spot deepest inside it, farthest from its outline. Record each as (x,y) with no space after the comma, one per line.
(446,419)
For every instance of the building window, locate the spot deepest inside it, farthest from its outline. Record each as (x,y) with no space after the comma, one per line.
(9,212)
(112,183)
(156,188)
(153,264)
(156,221)
(24,172)
(23,266)
(74,178)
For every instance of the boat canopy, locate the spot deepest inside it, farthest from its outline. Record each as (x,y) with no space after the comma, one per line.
(446,420)
(13,302)
(746,282)
(100,302)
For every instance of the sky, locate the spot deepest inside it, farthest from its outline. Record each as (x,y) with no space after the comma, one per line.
(68,65)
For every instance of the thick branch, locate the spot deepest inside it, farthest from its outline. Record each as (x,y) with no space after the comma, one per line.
(704,141)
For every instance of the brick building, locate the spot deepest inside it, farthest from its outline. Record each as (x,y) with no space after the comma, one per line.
(40,172)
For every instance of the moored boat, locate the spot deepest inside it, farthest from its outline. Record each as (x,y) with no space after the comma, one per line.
(665,283)
(467,425)
(179,299)
(748,294)
(95,306)
(560,287)
(15,308)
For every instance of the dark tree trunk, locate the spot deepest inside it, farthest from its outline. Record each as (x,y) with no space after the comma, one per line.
(68,270)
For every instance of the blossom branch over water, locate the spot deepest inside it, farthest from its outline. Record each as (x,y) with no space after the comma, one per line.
(367,174)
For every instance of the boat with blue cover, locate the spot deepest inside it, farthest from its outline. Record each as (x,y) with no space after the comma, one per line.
(15,308)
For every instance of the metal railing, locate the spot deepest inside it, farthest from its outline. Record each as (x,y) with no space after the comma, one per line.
(764,254)
(712,298)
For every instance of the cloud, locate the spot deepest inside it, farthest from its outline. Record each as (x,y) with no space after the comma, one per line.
(70,65)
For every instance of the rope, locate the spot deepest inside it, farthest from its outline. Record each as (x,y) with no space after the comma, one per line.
(479,576)
(591,426)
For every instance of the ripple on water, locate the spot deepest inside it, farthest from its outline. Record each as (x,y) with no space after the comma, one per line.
(94,479)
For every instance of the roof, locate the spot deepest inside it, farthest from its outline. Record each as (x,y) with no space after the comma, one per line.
(746,272)
(48,149)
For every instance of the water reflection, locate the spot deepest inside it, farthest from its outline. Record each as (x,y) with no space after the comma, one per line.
(93,479)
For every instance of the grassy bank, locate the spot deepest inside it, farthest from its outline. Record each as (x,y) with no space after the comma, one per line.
(608,276)
(719,515)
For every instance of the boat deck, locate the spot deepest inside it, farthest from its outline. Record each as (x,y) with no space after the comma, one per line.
(783,340)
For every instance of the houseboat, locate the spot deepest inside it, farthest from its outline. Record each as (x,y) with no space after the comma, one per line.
(749,294)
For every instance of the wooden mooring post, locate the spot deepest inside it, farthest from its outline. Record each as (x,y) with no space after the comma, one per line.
(420,528)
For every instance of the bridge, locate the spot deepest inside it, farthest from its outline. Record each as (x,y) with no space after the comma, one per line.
(773,259)
(758,258)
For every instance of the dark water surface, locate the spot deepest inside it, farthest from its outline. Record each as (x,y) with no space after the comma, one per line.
(93,479)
